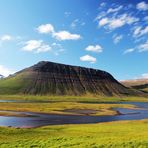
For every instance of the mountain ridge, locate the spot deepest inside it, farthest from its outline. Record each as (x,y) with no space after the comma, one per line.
(140,84)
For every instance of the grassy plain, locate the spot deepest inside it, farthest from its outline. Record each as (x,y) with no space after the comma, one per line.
(87,98)
(122,134)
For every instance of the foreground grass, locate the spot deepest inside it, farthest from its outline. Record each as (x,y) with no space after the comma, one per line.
(87,98)
(129,134)
(60,107)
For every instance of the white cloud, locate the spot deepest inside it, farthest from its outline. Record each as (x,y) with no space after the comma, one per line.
(65,35)
(32,44)
(111,10)
(143,47)
(103,21)
(45,29)
(88,58)
(6,37)
(139,31)
(129,50)
(117,38)
(142,6)
(60,35)
(94,48)
(121,21)
(5,71)
(117,22)
(36,46)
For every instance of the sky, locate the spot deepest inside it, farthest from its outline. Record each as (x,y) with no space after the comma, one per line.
(110,35)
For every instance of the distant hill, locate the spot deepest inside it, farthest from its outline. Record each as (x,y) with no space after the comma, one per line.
(1,76)
(140,84)
(48,78)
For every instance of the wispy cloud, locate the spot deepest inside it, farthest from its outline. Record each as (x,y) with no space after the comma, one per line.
(117,38)
(94,48)
(140,31)
(67,14)
(77,22)
(59,35)
(139,48)
(74,23)
(117,22)
(129,50)
(59,51)
(88,58)
(111,10)
(143,47)
(57,48)
(100,15)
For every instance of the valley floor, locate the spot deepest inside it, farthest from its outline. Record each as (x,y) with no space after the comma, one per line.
(129,134)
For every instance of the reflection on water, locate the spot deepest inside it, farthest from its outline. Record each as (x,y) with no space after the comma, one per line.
(39,119)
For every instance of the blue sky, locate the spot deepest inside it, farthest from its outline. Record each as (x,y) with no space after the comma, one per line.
(104,34)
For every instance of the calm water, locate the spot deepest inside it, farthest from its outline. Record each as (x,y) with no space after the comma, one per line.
(52,119)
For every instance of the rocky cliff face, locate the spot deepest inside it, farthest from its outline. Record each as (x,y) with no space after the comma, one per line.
(47,78)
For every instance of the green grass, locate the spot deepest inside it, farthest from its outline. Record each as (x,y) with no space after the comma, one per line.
(87,98)
(123,134)
(12,85)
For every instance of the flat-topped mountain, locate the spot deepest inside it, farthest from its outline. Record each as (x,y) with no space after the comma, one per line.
(48,78)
